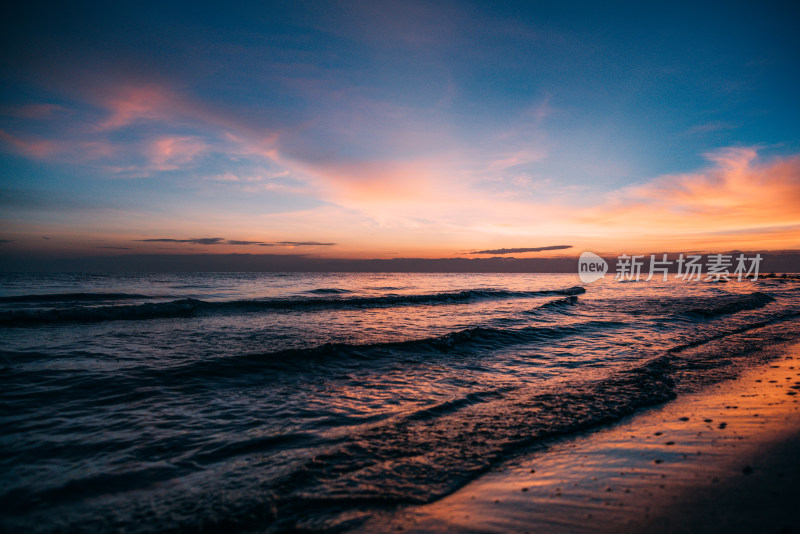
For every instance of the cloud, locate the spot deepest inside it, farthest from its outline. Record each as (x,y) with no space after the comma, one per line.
(304,244)
(259,180)
(521,250)
(223,241)
(739,191)
(34,148)
(132,103)
(168,153)
(739,194)
(194,241)
(392,166)
(514,159)
(260,176)
(138,128)
(713,126)
(359,182)
(408,165)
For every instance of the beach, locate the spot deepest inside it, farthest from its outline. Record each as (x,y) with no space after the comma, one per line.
(722,459)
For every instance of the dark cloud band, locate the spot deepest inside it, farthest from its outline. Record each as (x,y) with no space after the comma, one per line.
(222,241)
(521,250)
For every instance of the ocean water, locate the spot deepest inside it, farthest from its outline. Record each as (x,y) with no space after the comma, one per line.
(307,402)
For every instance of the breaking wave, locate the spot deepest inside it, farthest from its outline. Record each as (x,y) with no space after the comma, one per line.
(189,307)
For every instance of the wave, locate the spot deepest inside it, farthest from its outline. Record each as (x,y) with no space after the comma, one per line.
(177,308)
(557,305)
(72,297)
(496,337)
(730,304)
(460,439)
(307,479)
(189,307)
(686,307)
(476,340)
(416,457)
(400,300)
(386,288)
(788,315)
(465,436)
(329,291)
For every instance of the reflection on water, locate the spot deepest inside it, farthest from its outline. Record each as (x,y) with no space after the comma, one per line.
(664,471)
(311,401)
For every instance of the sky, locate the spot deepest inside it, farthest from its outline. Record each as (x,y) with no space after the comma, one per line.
(398,129)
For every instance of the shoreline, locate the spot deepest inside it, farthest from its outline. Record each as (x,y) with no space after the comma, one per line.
(722,459)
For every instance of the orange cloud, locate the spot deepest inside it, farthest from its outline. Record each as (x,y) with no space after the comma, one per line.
(377,181)
(430,193)
(739,197)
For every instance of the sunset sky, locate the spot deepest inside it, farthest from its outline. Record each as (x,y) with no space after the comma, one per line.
(399,129)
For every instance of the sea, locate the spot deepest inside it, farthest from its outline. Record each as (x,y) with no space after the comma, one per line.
(297,402)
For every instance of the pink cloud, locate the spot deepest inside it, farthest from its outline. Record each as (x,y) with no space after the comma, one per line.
(82,139)
(34,148)
(130,104)
(173,152)
(61,149)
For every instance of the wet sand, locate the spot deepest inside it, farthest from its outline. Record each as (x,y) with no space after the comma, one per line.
(724,459)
